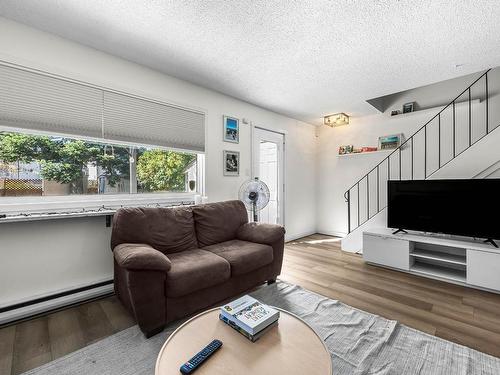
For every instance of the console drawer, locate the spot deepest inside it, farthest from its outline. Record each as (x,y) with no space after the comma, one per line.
(483,269)
(386,251)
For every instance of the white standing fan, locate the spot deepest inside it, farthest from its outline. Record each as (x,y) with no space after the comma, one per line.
(255,195)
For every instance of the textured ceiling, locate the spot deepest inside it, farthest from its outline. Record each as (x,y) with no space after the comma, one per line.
(304,59)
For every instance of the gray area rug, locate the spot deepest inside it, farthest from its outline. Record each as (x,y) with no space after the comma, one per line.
(359,343)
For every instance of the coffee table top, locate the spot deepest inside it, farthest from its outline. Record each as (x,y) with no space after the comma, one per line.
(290,348)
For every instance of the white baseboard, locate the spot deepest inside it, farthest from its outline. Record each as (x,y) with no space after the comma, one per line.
(66,290)
(40,308)
(332,233)
(295,236)
(353,251)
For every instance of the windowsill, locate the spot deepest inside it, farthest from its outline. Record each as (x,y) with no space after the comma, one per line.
(54,216)
(41,208)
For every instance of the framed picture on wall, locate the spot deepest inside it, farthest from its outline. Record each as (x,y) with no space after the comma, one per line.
(390,142)
(231,129)
(231,163)
(408,107)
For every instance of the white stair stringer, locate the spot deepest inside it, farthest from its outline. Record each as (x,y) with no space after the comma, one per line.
(491,172)
(481,160)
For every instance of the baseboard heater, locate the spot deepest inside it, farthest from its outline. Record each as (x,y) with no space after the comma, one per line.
(38,306)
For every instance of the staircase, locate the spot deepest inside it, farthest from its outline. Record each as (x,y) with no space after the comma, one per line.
(461,141)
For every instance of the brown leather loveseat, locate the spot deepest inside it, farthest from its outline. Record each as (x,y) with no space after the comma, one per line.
(171,262)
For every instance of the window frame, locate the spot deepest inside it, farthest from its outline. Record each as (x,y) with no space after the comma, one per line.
(93,201)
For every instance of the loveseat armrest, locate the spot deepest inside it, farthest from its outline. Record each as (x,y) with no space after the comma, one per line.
(141,257)
(263,233)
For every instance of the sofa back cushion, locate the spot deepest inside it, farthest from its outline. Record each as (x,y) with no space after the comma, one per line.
(218,222)
(168,230)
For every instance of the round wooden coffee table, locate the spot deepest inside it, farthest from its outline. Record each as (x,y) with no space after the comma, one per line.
(290,348)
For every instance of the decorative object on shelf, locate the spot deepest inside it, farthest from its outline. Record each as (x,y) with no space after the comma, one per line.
(394,113)
(345,149)
(408,107)
(231,129)
(368,149)
(389,142)
(337,119)
(231,163)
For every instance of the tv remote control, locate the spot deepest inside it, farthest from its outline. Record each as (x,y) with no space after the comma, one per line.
(190,366)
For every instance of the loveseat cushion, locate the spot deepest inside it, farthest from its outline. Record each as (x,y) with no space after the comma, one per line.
(264,233)
(218,222)
(243,256)
(196,269)
(168,230)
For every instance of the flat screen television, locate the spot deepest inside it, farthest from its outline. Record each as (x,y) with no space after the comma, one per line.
(458,207)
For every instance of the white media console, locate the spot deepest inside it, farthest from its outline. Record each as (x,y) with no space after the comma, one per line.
(468,263)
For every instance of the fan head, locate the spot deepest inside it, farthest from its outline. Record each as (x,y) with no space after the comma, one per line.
(254,194)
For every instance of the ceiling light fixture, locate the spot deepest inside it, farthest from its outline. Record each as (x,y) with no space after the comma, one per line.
(338,119)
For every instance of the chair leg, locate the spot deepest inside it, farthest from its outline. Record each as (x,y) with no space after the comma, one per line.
(271,281)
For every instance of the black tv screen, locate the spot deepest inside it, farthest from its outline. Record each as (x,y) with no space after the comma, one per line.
(458,207)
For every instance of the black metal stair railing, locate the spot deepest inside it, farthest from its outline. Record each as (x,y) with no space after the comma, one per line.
(354,191)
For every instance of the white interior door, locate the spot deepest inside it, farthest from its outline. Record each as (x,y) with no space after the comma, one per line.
(268,151)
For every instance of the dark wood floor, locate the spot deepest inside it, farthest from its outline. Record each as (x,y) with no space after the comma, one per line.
(35,342)
(466,316)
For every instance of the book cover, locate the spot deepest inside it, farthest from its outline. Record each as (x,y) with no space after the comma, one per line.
(252,338)
(249,314)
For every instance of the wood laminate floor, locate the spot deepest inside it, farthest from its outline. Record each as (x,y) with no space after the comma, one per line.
(462,315)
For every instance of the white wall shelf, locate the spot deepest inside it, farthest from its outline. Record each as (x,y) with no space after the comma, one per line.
(413,113)
(429,109)
(365,153)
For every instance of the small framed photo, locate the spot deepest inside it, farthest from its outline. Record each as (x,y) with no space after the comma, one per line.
(231,129)
(390,142)
(408,107)
(231,163)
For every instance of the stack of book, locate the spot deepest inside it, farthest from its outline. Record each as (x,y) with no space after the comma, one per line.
(249,317)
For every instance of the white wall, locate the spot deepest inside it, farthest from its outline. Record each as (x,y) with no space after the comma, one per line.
(42,257)
(429,96)
(337,174)
(479,161)
(54,255)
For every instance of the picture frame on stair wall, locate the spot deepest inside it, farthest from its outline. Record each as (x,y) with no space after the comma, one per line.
(408,107)
(390,142)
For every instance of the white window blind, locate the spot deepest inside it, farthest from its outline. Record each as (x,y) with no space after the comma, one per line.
(135,120)
(40,102)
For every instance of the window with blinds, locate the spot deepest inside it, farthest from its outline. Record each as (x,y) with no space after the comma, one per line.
(39,102)
(60,137)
